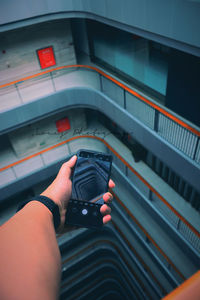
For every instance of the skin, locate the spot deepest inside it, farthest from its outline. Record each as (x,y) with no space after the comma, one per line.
(29,255)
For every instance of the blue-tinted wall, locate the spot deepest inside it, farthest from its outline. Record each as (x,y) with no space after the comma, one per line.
(141,60)
(173,21)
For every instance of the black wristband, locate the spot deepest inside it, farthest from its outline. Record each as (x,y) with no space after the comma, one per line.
(52,206)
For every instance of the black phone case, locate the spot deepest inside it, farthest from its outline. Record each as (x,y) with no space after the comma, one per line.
(84,214)
(81,212)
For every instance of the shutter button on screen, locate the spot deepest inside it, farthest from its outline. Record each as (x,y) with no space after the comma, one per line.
(84,211)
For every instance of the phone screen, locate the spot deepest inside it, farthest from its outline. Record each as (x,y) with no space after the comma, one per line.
(91,175)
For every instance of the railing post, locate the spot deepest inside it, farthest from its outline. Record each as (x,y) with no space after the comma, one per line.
(156,120)
(101,83)
(54,88)
(178,224)
(196,147)
(150,195)
(20,97)
(126,171)
(124,98)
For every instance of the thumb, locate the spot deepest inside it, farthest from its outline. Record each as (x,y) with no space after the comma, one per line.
(65,170)
(71,163)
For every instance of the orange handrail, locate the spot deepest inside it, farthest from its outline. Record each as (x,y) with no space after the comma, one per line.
(155,106)
(124,162)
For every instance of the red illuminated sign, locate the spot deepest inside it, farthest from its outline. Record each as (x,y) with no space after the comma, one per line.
(63,125)
(46,57)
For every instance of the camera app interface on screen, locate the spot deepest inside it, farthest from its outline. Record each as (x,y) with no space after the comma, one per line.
(91,175)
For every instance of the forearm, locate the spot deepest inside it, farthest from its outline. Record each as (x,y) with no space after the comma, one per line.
(29,256)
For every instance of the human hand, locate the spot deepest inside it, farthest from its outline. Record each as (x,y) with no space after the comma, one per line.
(105,209)
(60,191)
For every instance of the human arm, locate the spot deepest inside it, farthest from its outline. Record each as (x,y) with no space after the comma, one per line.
(29,255)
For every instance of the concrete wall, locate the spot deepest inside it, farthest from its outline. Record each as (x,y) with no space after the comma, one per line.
(55,129)
(18,56)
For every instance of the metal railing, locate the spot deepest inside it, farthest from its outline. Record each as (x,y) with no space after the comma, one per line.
(165,123)
(179,222)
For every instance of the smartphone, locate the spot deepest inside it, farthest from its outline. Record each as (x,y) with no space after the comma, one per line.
(90,179)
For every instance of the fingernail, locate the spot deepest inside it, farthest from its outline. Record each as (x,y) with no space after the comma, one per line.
(73,157)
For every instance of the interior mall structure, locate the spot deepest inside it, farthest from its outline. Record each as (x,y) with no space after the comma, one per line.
(120,77)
